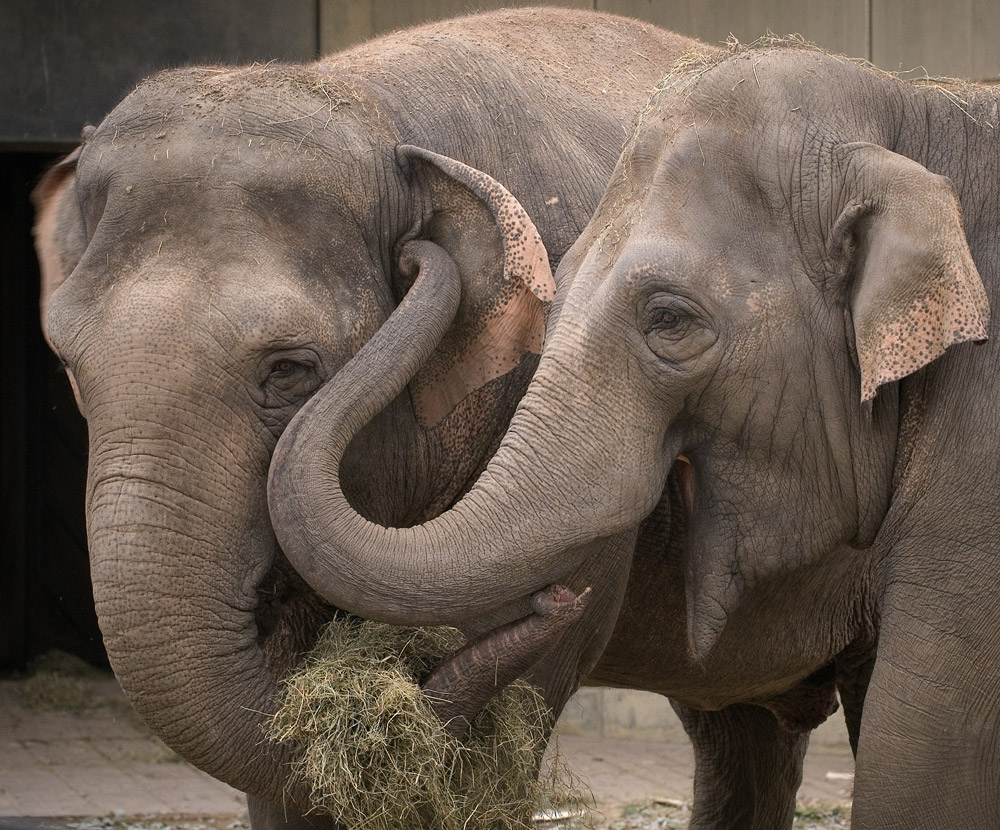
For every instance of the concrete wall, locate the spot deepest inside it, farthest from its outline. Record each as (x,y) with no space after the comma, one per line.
(956,38)
(67,62)
(622,713)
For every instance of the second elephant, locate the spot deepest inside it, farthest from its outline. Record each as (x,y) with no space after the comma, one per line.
(774,308)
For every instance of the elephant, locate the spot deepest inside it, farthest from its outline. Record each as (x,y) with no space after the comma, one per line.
(225,241)
(779,312)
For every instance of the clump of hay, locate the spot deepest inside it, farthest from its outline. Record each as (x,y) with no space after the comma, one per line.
(60,682)
(58,693)
(375,755)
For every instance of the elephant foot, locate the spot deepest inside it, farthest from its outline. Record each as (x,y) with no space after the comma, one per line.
(806,706)
(464,683)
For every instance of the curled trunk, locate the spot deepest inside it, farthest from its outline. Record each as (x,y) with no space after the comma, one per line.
(519,529)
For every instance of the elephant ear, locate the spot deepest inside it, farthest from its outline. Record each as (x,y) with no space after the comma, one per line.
(914,288)
(60,236)
(506,279)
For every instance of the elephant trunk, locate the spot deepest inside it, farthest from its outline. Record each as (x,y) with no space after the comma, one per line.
(461,686)
(175,574)
(517,530)
(207,695)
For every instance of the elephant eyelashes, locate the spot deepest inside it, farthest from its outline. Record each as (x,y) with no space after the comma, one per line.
(666,317)
(665,311)
(675,329)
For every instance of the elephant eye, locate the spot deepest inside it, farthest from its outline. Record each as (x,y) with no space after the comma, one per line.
(675,328)
(287,380)
(664,319)
(665,316)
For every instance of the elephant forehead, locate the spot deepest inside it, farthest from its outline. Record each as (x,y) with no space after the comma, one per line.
(336,315)
(295,107)
(269,148)
(709,234)
(224,183)
(237,308)
(245,240)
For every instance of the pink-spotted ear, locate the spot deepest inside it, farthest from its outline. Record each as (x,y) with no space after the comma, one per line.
(506,279)
(60,237)
(915,290)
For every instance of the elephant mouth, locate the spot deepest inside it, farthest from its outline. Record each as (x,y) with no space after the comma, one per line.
(465,681)
(271,595)
(279,590)
(289,617)
(806,704)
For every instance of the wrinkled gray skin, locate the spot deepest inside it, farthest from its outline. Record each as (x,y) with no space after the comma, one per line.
(778,300)
(224,242)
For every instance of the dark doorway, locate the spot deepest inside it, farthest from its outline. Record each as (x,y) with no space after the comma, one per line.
(47,600)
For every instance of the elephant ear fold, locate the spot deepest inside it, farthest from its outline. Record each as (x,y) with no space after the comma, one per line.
(60,236)
(914,288)
(506,279)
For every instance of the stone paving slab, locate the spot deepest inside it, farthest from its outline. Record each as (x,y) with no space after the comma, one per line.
(7,823)
(626,770)
(95,760)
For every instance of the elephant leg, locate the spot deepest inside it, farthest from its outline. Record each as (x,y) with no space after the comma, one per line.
(747,768)
(929,750)
(267,816)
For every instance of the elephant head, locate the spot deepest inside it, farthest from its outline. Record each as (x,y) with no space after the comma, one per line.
(206,268)
(738,311)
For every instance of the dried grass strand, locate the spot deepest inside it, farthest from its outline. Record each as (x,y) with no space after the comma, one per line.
(375,755)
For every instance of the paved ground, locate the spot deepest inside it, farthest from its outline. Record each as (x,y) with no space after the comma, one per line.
(97,760)
(70,746)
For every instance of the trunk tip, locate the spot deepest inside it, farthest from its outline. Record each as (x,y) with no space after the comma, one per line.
(559,598)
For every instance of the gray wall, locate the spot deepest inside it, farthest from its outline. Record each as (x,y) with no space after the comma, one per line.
(68,62)
(942,37)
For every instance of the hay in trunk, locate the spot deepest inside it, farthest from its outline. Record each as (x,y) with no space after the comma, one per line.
(378,758)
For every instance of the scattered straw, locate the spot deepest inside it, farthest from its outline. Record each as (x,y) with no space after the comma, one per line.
(377,757)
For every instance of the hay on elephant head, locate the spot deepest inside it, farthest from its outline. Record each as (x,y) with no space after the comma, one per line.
(375,755)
